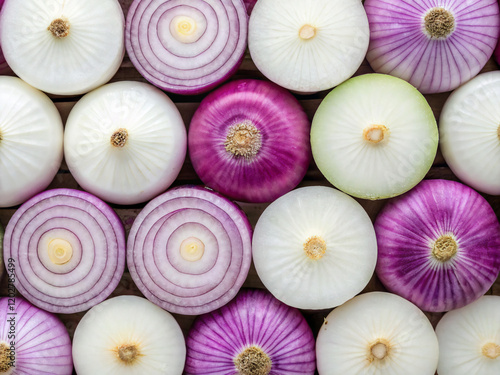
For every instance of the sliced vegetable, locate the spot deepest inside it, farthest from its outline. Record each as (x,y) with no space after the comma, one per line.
(69,250)
(4,67)
(439,245)
(249,140)
(254,334)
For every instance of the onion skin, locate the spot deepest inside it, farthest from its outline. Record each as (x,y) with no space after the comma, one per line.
(42,343)
(285,153)
(4,67)
(400,46)
(254,317)
(497,54)
(406,230)
(250,4)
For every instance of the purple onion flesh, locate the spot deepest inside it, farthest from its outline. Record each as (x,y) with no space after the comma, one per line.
(439,245)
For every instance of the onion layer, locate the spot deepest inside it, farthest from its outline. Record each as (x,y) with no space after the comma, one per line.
(189,250)
(69,250)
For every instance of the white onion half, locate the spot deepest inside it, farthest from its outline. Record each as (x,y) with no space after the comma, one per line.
(128,335)
(314,248)
(64,47)
(125,142)
(469,129)
(308,45)
(31,141)
(377,334)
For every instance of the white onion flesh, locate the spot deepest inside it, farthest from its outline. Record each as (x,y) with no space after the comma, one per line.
(308,45)
(128,321)
(469,129)
(31,141)
(279,248)
(377,334)
(150,157)
(87,57)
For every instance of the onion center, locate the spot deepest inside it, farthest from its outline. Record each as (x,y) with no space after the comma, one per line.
(253,361)
(192,249)
(378,350)
(307,32)
(119,138)
(375,133)
(491,350)
(439,23)
(183,29)
(498,133)
(60,251)
(59,28)
(128,354)
(243,140)
(5,359)
(444,248)
(315,247)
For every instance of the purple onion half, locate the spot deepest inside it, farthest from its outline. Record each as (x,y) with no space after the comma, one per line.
(68,248)
(436,45)
(255,334)
(4,67)
(439,245)
(249,140)
(32,341)
(497,53)
(189,250)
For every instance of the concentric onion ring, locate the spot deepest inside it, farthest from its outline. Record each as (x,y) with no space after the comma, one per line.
(186,47)
(189,250)
(68,249)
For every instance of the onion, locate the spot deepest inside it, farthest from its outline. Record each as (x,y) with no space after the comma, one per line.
(250,140)
(436,45)
(374,136)
(32,341)
(254,334)
(63,47)
(4,67)
(249,5)
(189,250)
(439,245)
(31,141)
(314,248)
(470,133)
(468,339)
(125,142)
(497,53)
(310,45)
(128,335)
(186,47)
(2,270)
(378,334)
(69,250)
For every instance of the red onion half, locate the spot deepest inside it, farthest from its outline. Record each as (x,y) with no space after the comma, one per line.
(69,250)
(4,67)
(186,47)
(436,45)
(39,341)
(255,334)
(497,53)
(189,250)
(249,140)
(439,245)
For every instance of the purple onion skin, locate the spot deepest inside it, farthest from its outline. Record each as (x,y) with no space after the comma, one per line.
(42,343)
(254,317)
(250,4)
(400,47)
(406,230)
(285,154)
(497,53)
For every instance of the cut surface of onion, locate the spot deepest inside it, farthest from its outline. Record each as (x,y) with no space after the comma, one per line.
(128,335)
(439,245)
(314,248)
(308,45)
(469,129)
(32,341)
(377,333)
(189,250)
(31,141)
(249,140)
(254,334)
(374,136)
(186,47)
(436,45)
(69,250)
(469,342)
(125,142)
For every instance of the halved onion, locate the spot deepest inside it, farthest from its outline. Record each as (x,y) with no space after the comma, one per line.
(189,250)
(374,136)
(4,67)
(69,250)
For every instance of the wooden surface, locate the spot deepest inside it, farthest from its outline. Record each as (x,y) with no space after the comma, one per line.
(187,106)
